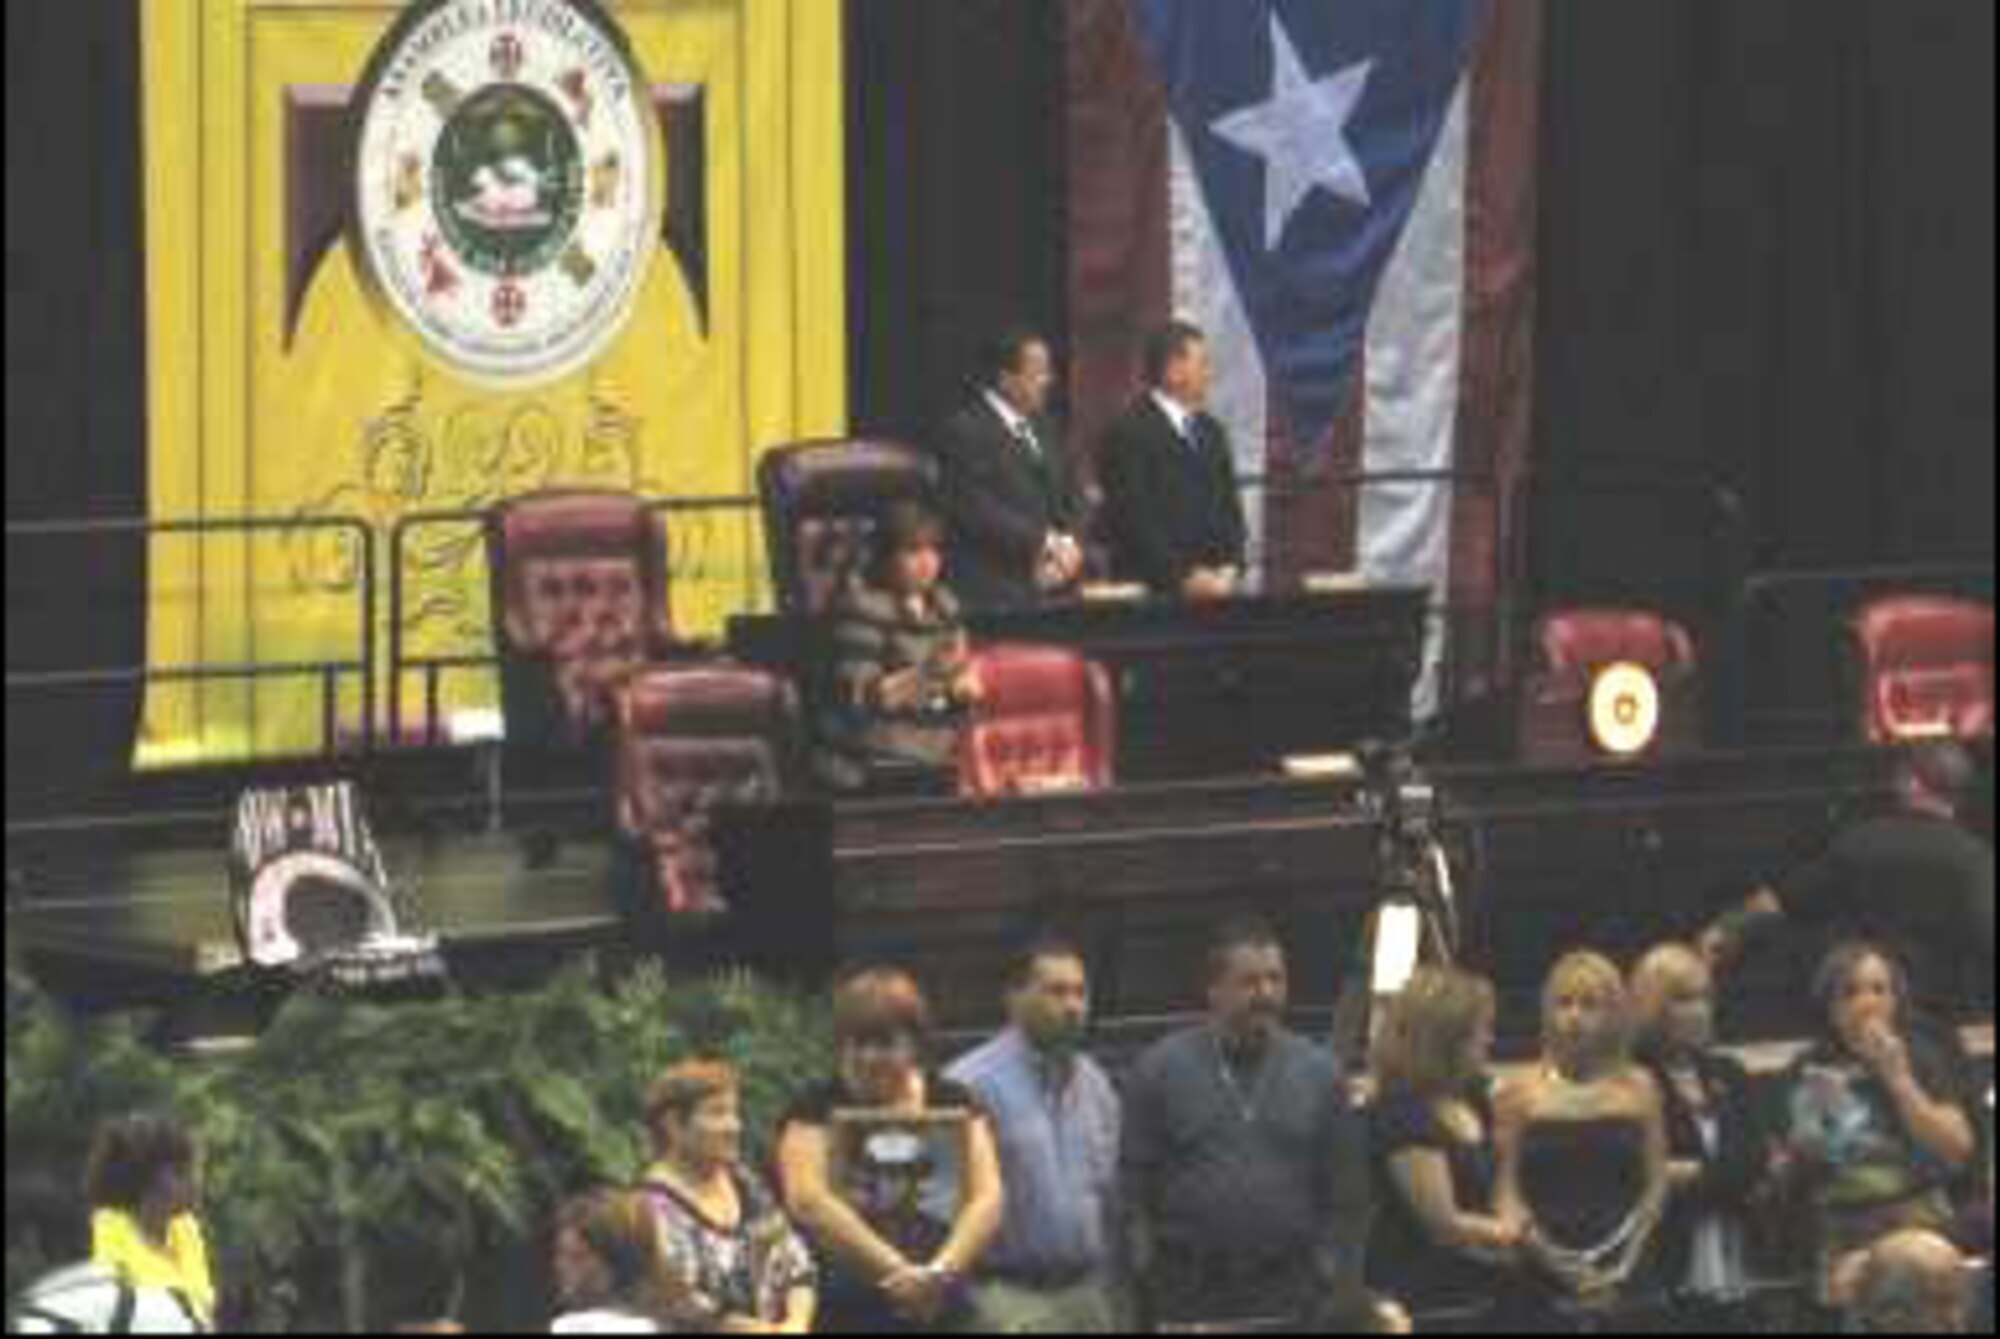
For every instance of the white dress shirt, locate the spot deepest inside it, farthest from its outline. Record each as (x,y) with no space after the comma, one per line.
(1177,414)
(1017,424)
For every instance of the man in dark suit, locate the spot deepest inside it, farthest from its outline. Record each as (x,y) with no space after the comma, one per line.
(1008,491)
(1173,518)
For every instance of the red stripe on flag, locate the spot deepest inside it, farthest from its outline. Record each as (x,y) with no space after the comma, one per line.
(1497,349)
(1120,275)
(1311,513)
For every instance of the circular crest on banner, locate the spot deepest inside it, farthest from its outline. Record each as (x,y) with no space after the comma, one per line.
(1624,709)
(508,183)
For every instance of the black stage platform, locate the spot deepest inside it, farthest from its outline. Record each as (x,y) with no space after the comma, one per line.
(165,914)
(1615,857)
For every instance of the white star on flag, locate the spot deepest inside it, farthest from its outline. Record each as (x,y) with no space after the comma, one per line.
(1301,134)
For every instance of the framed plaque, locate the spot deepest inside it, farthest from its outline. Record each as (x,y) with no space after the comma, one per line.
(903,1172)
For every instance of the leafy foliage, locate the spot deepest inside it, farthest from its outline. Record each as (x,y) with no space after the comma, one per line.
(355,1144)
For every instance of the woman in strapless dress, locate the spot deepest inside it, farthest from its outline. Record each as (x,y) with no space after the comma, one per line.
(1583,1140)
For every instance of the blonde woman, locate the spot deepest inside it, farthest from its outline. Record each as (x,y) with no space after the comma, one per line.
(1437,1244)
(1583,1140)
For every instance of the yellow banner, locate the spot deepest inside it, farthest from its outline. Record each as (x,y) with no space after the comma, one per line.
(282,389)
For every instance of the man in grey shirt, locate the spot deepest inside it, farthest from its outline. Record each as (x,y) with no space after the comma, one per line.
(1245,1170)
(1057,1119)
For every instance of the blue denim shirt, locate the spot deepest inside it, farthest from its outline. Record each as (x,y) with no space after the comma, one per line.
(1058,1158)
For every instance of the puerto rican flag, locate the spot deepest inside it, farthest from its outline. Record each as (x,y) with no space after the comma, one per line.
(1341,193)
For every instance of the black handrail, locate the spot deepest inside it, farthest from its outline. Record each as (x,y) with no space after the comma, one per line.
(1927,575)
(1757,600)
(1501,501)
(399,663)
(398,529)
(434,667)
(329,671)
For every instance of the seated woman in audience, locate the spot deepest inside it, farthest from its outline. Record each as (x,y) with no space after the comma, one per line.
(609,1270)
(1715,1148)
(905,1271)
(1583,1140)
(1879,1113)
(1437,1245)
(902,675)
(729,1247)
(144,1185)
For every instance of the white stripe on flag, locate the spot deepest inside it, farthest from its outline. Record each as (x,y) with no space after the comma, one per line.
(1204,292)
(1403,531)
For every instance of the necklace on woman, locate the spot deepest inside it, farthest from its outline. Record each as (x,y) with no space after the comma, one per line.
(711,1192)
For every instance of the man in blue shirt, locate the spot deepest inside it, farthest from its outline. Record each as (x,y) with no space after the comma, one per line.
(1057,1119)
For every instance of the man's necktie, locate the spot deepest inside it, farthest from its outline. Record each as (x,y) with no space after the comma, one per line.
(1026,432)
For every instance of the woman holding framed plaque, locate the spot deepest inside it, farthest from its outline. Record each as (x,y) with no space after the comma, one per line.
(891,1170)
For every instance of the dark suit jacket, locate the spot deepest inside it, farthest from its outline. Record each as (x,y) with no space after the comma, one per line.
(1001,503)
(1169,507)
(1727,1179)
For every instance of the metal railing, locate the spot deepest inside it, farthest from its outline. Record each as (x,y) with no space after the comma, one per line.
(1792,625)
(1479,630)
(1482,630)
(1465,632)
(330,672)
(434,667)
(384,686)
(1451,618)
(1670,505)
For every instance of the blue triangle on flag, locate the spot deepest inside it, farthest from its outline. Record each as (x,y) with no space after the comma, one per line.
(1310,125)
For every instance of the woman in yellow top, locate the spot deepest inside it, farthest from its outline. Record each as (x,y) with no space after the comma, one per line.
(144,1182)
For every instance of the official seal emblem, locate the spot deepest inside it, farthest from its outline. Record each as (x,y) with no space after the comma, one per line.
(507,183)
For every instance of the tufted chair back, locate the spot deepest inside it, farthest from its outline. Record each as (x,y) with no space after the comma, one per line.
(1926,667)
(1575,643)
(821,500)
(581,601)
(1048,721)
(692,738)
(1572,645)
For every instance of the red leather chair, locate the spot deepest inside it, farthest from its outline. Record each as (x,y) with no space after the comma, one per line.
(1572,646)
(581,604)
(1926,665)
(820,502)
(691,738)
(1048,721)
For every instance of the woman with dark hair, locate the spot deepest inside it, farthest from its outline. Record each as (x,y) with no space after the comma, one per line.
(907,1272)
(610,1272)
(1583,1141)
(1714,1144)
(728,1244)
(1878,1111)
(902,672)
(144,1184)
(1438,1245)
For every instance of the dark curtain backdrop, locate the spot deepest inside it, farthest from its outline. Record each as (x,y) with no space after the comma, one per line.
(955,190)
(1767,263)
(76,437)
